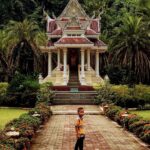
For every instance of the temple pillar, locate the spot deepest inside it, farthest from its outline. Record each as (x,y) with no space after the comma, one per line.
(65,66)
(97,64)
(50,63)
(82,66)
(58,59)
(88,60)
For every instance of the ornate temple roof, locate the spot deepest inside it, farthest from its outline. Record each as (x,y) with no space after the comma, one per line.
(74,27)
(73,40)
(73,17)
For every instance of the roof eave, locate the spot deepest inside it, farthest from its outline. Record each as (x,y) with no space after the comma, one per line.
(74,45)
(100,47)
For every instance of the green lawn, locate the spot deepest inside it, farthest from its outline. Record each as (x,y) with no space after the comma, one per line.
(7,114)
(143,113)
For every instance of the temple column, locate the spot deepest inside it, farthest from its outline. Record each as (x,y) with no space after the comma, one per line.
(65,66)
(58,59)
(97,64)
(88,60)
(82,66)
(50,63)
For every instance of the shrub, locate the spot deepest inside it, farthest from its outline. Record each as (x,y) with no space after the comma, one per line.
(3,88)
(5,142)
(3,91)
(137,127)
(131,122)
(105,95)
(29,120)
(45,94)
(136,97)
(22,91)
(115,74)
(26,125)
(120,89)
(22,143)
(6,147)
(112,112)
(43,110)
(146,137)
(121,75)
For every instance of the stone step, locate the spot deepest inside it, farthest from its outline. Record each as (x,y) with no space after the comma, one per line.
(74,98)
(71,112)
(73,102)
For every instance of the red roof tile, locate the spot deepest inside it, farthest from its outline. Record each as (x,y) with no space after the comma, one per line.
(98,42)
(74,40)
(90,32)
(57,32)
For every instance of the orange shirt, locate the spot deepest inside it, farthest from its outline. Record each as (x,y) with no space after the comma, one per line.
(80,126)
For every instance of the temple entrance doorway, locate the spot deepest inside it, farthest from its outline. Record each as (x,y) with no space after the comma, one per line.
(73,61)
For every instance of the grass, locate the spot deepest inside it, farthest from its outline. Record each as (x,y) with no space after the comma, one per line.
(8,114)
(142,113)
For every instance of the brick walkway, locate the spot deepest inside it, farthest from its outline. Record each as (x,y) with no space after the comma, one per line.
(101,134)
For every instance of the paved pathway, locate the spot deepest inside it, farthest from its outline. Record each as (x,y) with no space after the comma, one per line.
(101,133)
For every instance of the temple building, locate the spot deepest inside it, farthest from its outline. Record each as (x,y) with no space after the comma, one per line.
(74,38)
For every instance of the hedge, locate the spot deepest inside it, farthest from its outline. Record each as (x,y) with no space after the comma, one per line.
(26,125)
(132,122)
(122,95)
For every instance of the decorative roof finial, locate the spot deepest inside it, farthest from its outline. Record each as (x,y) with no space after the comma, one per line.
(53,14)
(94,13)
(101,12)
(45,14)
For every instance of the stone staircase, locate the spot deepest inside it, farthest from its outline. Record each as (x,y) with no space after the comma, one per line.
(74,98)
(74,80)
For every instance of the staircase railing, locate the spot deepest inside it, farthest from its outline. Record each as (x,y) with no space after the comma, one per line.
(79,72)
(68,73)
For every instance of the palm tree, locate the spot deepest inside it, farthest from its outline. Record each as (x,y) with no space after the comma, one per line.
(144,10)
(18,35)
(131,47)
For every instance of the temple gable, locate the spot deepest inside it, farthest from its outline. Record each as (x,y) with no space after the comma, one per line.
(73,9)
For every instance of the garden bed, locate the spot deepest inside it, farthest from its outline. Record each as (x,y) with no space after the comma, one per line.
(132,122)
(17,134)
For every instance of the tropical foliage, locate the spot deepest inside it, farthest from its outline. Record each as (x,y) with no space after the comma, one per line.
(125,28)
(131,47)
(21,40)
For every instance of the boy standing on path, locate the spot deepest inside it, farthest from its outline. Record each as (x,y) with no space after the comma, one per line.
(79,127)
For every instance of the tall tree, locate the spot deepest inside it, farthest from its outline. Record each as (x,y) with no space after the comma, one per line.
(131,47)
(18,36)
